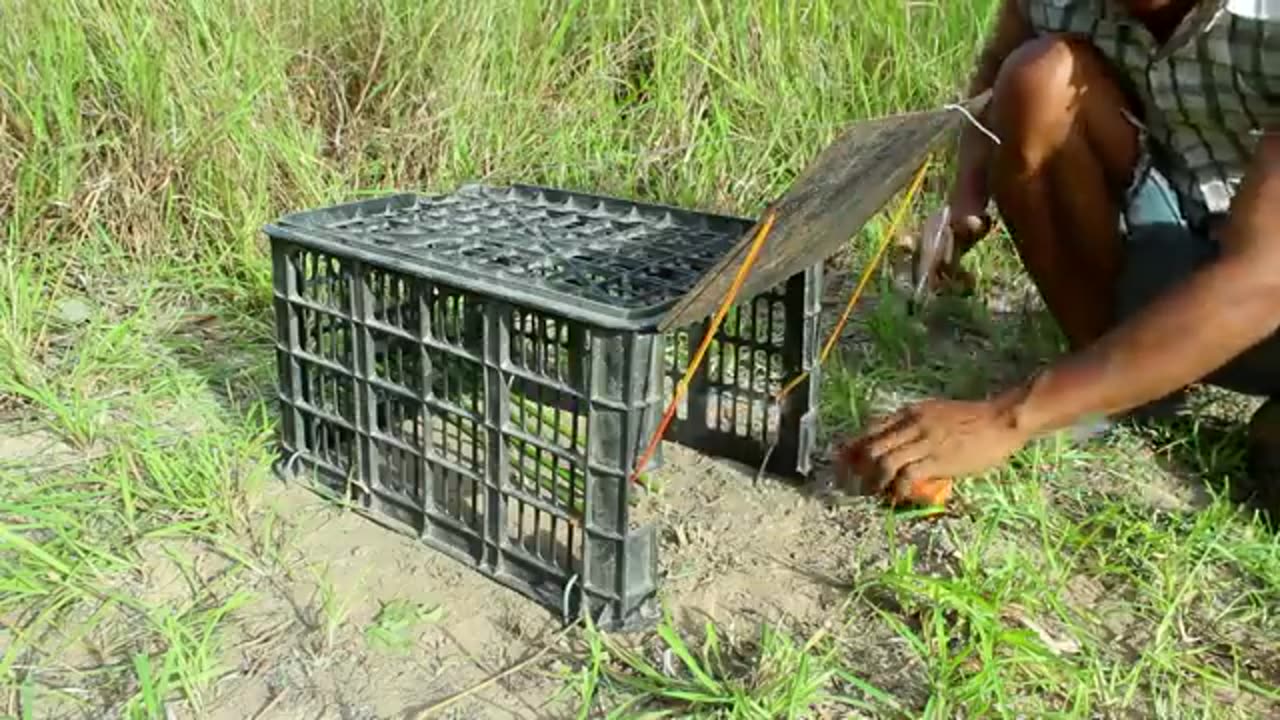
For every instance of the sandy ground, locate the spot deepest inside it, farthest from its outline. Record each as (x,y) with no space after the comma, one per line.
(731,551)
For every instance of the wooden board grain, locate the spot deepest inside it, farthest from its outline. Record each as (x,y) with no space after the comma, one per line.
(851,180)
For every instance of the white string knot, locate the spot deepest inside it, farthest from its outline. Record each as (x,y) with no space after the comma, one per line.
(973,120)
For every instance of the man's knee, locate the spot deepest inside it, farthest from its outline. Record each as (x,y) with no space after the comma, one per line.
(1043,70)
(1053,87)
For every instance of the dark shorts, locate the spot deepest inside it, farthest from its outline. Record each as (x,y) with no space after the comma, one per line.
(1161,249)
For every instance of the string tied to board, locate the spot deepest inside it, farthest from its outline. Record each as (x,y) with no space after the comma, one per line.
(891,232)
(682,387)
(836,332)
(758,241)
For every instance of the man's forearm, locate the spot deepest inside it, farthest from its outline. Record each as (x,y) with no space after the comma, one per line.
(1220,312)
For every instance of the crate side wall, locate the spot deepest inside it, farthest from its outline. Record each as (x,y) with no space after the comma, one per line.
(762,344)
(470,423)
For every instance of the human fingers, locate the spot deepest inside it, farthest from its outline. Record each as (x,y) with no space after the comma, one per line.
(967,228)
(918,483)
(905,431)
(971,223)
(878,426)
(858,447)
(888,466)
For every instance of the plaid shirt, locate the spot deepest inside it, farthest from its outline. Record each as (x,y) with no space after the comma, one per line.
(1206,94)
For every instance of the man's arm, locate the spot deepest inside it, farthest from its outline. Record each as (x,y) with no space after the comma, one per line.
(1011,30)
(1194,329)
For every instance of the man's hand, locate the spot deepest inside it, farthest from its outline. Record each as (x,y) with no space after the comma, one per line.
(937,255)
(935,439)
(1191,330)
(969,195)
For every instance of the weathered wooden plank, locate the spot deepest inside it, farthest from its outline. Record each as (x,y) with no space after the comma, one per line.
(828,204)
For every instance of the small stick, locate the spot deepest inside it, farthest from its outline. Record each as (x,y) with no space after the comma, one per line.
(262,711)
(493,679)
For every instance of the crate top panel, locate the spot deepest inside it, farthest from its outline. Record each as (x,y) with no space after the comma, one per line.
(603,260)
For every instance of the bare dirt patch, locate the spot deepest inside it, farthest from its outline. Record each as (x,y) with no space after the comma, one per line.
(31,449)
(318,623)
(760,553)
(732,551)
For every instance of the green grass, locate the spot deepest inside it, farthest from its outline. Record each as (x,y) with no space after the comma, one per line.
(142,146)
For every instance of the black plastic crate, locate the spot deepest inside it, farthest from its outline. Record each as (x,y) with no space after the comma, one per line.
(730,411)
(484,369)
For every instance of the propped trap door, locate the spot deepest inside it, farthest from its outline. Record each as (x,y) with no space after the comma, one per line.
(828,204)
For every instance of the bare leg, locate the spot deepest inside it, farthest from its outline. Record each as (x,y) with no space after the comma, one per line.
(1067,154)
(1059,176)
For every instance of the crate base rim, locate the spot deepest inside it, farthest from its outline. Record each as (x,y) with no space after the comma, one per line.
(643,618)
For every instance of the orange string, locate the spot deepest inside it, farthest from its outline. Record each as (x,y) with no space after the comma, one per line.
(683,386)
(862,282)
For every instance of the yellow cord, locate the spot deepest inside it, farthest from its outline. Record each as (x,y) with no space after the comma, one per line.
(683,386)
(862,282)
